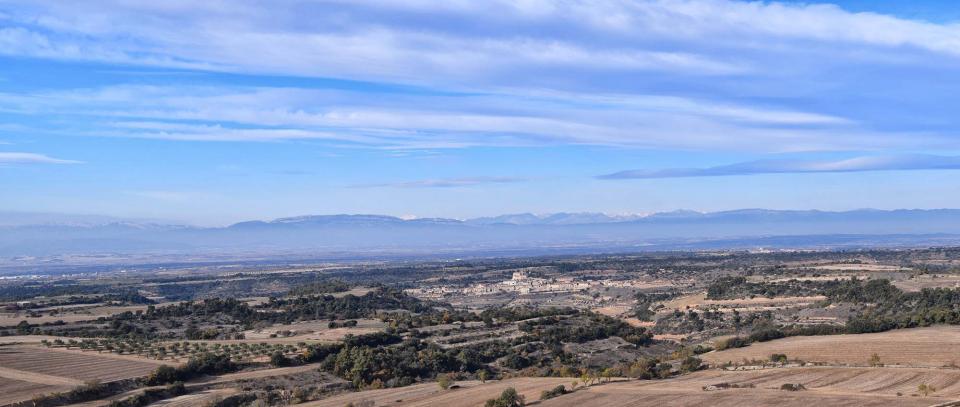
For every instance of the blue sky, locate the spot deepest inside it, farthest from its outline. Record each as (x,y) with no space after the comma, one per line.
(214,112)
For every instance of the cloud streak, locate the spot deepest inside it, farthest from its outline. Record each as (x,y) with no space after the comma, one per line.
(447,182)
(856,164)
(667,74)
(32,158)
(416,121)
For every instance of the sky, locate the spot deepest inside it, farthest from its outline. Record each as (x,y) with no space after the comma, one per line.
(221,111)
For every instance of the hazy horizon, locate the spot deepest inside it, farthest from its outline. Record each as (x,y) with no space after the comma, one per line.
(26,218)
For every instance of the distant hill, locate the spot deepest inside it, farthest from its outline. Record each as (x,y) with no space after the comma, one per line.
(316,235)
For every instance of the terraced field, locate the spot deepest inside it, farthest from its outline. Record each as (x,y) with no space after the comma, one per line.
(930,347)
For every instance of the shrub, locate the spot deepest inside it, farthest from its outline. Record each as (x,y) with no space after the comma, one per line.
(925,389)
(734,342)
(554,392)
(278,360)
(766,335)
(691,364)
(445,381)
(509,398)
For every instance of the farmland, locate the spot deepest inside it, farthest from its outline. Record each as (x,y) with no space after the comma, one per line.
(77,366)
(469,393)
(929,347)
(13,390)
(824,386)
(846,328)
(27,371)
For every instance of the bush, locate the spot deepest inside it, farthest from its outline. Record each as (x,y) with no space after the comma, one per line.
(691,364)
(778,358)
(554,392)
(509,398)
(766,335)
(204,364)
(734,342)
(445,381)
(792,387)
(278,360)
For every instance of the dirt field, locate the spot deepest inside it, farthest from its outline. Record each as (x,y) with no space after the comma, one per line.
(825,387)
(27,371)
(66,367)
(196,399)
(12,391)
(932,347)
(254,374)
(471,393)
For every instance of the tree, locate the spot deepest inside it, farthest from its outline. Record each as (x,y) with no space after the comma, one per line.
(509,398)
(445,381)
(277,359)
(556,391)
(482,375)
(607,374)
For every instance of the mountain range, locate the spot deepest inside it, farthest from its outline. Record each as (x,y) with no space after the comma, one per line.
(33,235)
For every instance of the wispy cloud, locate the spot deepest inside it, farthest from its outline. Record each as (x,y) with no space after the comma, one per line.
(669,74)
(418,121)
(32,158)
(446,182)
(856,164)
(390,40)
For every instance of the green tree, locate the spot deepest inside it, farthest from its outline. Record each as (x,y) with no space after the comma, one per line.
(445,381)
(509,398)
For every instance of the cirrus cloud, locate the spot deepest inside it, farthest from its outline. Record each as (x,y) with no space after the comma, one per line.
(32,158)
(905,162)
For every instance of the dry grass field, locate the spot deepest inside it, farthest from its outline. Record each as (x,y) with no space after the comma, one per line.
(34,339)
(929,347)
(861,267)
(71,314)
(920,282)
(826,386)
(470,393)
(316,330)
(743,304)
